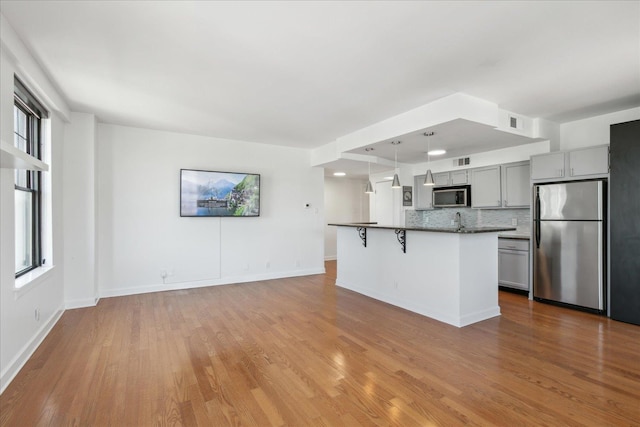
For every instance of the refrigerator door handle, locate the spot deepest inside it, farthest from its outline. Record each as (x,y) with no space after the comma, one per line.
(601,280)
(537,218)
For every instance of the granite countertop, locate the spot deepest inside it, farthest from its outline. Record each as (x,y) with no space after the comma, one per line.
(464,230)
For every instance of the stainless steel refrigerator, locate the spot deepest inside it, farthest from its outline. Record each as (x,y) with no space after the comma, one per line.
(569,243)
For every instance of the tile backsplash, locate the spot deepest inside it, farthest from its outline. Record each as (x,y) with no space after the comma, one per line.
(470,218)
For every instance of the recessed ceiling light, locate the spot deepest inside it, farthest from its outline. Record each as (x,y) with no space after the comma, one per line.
(388,177)
(339,174)
(436,152)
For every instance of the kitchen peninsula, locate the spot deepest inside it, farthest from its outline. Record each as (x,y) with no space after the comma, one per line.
(448,274)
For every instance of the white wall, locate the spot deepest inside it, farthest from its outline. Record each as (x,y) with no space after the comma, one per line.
(344,201)
(382,185)
(594,130)
(80,289)
(140,231)
(20,331)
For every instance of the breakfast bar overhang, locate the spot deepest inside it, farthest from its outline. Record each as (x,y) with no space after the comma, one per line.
(450,274)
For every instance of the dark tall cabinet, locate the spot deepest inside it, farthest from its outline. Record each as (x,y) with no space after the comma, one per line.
(624,187)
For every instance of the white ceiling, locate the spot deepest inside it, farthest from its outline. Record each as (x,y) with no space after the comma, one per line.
(458,137)
(305,73)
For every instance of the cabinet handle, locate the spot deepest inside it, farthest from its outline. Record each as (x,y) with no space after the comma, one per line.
(571,171)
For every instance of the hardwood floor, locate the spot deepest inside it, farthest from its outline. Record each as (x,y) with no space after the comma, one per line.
(300,351)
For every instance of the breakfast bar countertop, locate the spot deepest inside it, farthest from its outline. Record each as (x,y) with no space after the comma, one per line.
(463,230)
(515,235)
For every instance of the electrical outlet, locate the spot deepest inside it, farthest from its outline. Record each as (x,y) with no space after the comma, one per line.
(37,314)
(267,264)
(395,285)
(427,220)
(514,221)
(298,263)
(453,222)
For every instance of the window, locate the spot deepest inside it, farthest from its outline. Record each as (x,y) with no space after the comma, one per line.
(27,113)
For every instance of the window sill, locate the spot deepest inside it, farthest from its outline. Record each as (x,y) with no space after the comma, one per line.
(31,280)
(13,158)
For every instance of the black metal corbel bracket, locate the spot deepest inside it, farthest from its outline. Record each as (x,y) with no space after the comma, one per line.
(362,232)
(402,238)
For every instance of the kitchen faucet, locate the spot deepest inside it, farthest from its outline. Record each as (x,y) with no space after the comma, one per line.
(458,221)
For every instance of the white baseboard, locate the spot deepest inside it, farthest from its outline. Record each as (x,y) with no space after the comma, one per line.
(118,292)
(331,258)
(423,309)
(81,303)
(27,351)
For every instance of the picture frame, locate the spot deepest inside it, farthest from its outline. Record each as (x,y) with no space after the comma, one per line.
(206,193)
(407,195)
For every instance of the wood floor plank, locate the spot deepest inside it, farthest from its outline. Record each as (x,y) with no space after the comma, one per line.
(300,351)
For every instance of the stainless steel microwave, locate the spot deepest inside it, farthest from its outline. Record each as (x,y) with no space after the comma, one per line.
(450,197)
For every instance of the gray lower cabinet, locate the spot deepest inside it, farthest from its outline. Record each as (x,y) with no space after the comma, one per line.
(513,263)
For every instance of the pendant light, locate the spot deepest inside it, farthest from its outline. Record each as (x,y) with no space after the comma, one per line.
(428,177)
(396,180)
(369,188)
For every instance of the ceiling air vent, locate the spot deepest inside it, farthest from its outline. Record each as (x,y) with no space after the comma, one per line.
(515,122)
(462,161)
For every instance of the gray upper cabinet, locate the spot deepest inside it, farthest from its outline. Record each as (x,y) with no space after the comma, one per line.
(422,194)
(486,188)
(516,188)
(590,162)
(459,177)
(441,179)
(451,178)
(547,166)
(498,186)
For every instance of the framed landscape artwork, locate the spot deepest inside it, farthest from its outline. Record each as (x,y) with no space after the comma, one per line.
(213,193)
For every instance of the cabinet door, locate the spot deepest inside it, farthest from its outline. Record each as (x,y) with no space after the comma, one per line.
(422,197)
(485,187)
(441,178)
(589,161)
(459,178)
(516,192)
(545,166)
(513,269)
